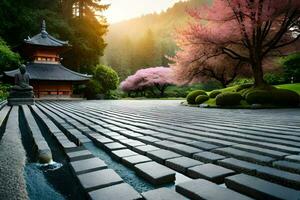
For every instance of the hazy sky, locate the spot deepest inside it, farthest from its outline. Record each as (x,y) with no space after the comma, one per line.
(126,9)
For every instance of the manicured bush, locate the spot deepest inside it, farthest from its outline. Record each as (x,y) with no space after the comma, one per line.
(244,86)
(259,97)
(274,78)
(228,99)
(285,97)
(191,97)
(214,93)
(201,99)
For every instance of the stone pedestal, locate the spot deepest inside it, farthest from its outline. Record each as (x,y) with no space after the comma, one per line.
(20,101)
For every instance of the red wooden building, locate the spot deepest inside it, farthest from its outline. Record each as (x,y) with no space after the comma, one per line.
(49,78)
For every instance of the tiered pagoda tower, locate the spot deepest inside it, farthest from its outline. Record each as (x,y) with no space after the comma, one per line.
(49,78)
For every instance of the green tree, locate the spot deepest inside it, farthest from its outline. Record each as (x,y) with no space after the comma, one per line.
(291,67)
(8,59)
(106,77)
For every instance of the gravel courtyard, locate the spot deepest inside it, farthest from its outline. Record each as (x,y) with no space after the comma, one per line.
(135,149)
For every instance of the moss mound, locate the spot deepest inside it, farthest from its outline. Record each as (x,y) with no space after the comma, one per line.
(214,93)
(228,99)
(201,99)
(284,97)
(191,97)
(258,97)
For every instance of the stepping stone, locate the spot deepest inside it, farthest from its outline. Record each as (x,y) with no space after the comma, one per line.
(114,146)
(210,172)
(208,157)
(101,140)
(155,173)
(203,145)
(87,165)
(165,144)
(132,143)
(133,160)
(145,149)
(121,191)
(119,154)
(181,164)
(286,165)
(130,134)
(282,177)
(162,155)
(84,140)
(262,151)
(162,194)
(119,137)
(201,189)
(260,189)
(67,145)
(293,158)
(79,155)
(180,140)
(239,165)
(185,149)
(148,139)
(244,155)
(99,179)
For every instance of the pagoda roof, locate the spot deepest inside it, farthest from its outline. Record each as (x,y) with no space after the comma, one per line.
(50,72)
(44,39)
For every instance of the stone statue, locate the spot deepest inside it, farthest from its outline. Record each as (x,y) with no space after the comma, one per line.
(22,80)
(21,93)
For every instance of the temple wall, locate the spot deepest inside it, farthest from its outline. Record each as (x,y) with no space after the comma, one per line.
(52,88)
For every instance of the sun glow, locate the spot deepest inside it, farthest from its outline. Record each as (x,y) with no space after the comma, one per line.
(126,9)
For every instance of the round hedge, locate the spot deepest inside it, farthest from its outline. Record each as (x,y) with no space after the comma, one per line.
(284,97)
(244,86)
(214,93)
(201,99)
(228,99)
(259,97)
(191,97)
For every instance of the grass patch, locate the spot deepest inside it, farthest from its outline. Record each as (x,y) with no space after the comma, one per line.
(294,87)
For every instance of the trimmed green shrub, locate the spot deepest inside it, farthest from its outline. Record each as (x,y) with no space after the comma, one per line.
(228,99)
(214,93)
(201,99)
(244,86)
(191,97)
(285,97)
(259,97)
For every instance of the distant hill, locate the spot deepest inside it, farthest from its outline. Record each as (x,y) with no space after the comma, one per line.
(157,27)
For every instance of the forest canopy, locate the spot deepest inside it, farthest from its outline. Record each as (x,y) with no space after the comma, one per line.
(77,21)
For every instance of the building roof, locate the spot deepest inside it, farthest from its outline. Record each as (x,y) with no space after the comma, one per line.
(50,72)
(44,39)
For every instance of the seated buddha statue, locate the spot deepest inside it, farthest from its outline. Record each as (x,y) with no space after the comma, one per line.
(22,88)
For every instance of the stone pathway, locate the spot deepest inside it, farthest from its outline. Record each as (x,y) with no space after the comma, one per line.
(186,153)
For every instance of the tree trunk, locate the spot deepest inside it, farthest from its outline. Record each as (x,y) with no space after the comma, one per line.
(258,74)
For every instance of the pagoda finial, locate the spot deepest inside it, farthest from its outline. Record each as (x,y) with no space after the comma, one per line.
(43,29)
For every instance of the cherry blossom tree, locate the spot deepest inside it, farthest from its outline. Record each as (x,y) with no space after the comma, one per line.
(149,78)
(244,32)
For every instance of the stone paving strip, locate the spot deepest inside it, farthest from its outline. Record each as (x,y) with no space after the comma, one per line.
(260,189)
(262,144)
(203,189)
(94,177)
(163,194)
(61,138)
(41,145)
(12,159)
(213,150)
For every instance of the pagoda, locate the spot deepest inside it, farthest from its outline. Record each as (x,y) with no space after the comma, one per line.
(49,78)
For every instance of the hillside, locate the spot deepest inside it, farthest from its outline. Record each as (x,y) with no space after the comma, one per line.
(128,40)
